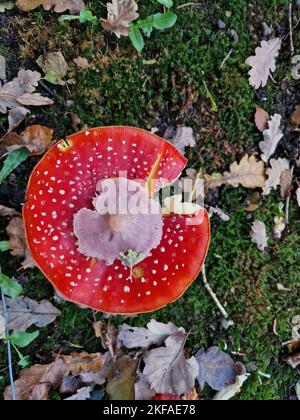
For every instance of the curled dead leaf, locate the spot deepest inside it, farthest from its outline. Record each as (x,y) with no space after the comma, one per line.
(17,242)
(272,137)
(36,138)
(278,167)
(120,13)
(261,119)
(54,64)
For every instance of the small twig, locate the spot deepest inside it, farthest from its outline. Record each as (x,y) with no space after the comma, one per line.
(188,5)
(291,28)
(226,58)
(212,293)
(288,201)
(8,346)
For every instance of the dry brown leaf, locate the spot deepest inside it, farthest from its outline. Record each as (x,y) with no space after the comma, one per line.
(16,116)
(272,137)
(54,63)
(16,234)
(249,173)
(20,91)
(79,363)
(264,62)
(8,212)
(17,242)
(139,337)
(278,166)
(35,382)
(259,235)
(286,180)
(74,6)
(82,63)
(261,119)
(167,370)
(295,118)
(24,312)
(120,13)
(36,138)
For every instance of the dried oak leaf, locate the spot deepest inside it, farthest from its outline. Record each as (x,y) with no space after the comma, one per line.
(54,63)
(264,62)
(155,333)
(217,368)
(184,138)
(24,312)
(261,119)
(249,173)
(120,13)
(20,91)
(259,235)
(272,137)
(36,138)
(74,6)
(167,370)
(278,167)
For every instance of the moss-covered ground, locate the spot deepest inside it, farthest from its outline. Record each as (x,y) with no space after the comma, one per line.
(164,87)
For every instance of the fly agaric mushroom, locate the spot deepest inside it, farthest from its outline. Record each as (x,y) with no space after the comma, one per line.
(114,263)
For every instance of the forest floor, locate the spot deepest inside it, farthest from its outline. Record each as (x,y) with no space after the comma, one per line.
(164,87)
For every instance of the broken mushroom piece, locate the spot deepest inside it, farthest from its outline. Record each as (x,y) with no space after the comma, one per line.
(98,249)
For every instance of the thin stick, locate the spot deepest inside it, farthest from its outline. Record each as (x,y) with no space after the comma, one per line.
(8,345)
(291,28)
(212,294)
(188,5)
(288,201)
(226,58)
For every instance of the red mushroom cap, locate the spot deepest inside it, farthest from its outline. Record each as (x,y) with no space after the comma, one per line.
(65,181)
